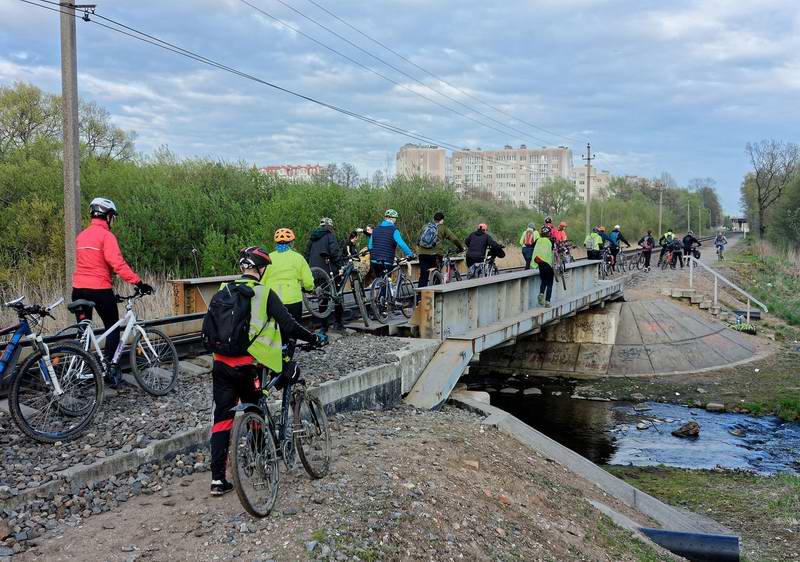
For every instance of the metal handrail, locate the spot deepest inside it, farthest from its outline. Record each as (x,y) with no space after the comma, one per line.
(717,277)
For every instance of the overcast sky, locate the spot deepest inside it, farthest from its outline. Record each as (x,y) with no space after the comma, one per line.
(676,86)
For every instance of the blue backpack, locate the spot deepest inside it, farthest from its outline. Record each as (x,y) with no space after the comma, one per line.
(614,238)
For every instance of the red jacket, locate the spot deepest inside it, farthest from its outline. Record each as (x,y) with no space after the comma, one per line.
(560,235)
(97,255)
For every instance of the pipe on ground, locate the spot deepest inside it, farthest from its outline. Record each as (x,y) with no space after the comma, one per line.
(696,547)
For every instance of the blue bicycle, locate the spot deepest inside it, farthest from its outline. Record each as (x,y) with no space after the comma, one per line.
(58,389)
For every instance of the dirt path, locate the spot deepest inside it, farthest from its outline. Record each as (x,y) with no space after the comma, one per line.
(404,485)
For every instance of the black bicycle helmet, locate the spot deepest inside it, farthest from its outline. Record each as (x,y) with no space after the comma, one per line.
(254,257)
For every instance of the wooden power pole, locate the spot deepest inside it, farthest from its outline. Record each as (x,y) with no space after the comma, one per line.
(72,157)
(588,158)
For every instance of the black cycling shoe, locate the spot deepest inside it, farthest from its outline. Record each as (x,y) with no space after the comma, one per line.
(220,487)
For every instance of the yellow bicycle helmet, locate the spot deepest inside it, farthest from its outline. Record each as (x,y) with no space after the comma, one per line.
(284,235)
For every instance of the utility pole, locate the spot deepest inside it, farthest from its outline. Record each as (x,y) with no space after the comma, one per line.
(588,158)
(72,157)
(688,216)
(699,222)
(660,206)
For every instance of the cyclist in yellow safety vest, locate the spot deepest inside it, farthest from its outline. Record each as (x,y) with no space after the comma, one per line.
(543,260)
(593,244)
(233,378)
(288,276)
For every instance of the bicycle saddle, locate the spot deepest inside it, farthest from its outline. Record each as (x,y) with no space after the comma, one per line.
(80,304)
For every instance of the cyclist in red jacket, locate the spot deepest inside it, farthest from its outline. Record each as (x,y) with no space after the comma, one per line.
(97,258)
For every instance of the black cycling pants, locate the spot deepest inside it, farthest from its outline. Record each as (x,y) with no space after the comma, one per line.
(646,254)
(426,263)
(231,385)
(106,305)
(546,275)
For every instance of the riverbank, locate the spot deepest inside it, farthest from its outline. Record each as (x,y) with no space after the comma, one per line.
(404,485)
(765,510)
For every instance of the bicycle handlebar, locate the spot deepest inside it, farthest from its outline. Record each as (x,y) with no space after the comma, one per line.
(34,309)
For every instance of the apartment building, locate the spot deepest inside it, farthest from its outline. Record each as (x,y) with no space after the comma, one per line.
(422,160)
(512,174)
(599,178)
(303,172)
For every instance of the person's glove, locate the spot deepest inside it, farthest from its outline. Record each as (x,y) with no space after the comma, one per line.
(144,288)
(322,339)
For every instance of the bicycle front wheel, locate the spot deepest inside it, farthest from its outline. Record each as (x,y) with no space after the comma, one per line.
(379,299)
(39,411)
(320,302)
(436,278)
(358,293)
(154,361)
(312,438)
(406,299)
(254,464)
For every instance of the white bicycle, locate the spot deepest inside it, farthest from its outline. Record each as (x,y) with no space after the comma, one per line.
(152,355)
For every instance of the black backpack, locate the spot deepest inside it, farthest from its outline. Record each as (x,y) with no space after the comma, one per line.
(226,325)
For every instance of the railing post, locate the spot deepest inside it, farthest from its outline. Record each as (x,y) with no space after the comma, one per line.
(716,291)
(691,270)
(748,310)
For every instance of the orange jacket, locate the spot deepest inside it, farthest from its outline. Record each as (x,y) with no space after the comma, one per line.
(97,256)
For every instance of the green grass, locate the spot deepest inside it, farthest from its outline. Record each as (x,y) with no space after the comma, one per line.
(764,510)
(621,544)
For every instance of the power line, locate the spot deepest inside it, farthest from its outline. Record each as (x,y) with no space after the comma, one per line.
(400,71)
(429,73)
(166,45)
(375,72)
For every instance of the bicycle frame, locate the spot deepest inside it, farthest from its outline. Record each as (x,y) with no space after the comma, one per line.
(11,354)
(131,324)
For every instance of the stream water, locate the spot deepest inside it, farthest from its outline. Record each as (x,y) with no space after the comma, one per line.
(606,432)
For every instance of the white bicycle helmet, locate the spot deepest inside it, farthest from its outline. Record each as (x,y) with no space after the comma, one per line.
(102,207)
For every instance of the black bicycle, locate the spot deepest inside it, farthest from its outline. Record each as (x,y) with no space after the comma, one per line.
(259,439)
(393,291)
(447,272)
(329,292)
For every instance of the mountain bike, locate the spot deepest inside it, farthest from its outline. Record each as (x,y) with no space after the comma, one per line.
(387,295)
(620,262)
(329,292)
(152,355)
(669,259)
(58,389)
(447,272)
(560,257)
(259,439)
(605,267)
(720,251)
(486,268)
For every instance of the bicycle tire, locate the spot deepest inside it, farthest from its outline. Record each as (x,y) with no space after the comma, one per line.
(378,301)
(436,278)
(323,289)
(562,272)
(474,271)
(77,422)
(406,299)
(252,453)
(358,293)
(455,277)
(310,425)
(665,264)
(145,371)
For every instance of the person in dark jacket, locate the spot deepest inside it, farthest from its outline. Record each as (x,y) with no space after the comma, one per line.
(384,242)
(688,243)
(323,251)
(431,258)
(647,243)
(477,244)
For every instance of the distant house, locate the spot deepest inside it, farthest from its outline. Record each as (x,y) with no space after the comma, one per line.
(302,172)
(740,224)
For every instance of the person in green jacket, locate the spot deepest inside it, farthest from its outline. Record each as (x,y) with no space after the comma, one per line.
(543,258)
(528,239)
(430,247)
(593,244)
(288,276)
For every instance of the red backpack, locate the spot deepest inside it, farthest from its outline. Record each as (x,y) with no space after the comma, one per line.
(529,241)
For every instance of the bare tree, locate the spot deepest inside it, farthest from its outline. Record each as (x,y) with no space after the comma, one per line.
(774,166)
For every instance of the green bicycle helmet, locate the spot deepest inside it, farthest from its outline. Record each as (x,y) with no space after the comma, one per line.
(391,213)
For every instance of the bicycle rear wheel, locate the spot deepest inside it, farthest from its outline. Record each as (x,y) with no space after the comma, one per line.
(436,278)
(154,361)
(320,302)
(38,411)
(254,464)
(406,298)
(311,435)
(379,300)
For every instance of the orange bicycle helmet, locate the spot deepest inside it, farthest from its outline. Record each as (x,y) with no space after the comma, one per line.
(284,235)
(483,226)
(563,223)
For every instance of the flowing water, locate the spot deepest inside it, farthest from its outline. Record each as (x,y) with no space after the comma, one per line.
(606,432)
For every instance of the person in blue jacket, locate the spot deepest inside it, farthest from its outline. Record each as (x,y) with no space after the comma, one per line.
(384,242)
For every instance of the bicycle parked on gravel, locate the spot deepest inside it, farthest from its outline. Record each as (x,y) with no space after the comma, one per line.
(486,268)
(58,389)
(391,292)
(447,272)
(259,439)
(329,292)
(605,267)
(152,356)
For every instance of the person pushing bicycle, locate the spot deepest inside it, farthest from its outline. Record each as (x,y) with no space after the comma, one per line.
(234,376)
(97,258)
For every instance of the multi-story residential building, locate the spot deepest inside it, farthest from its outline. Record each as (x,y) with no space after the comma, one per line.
(422,160)
(599,178)
(513,174)
(303,172)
